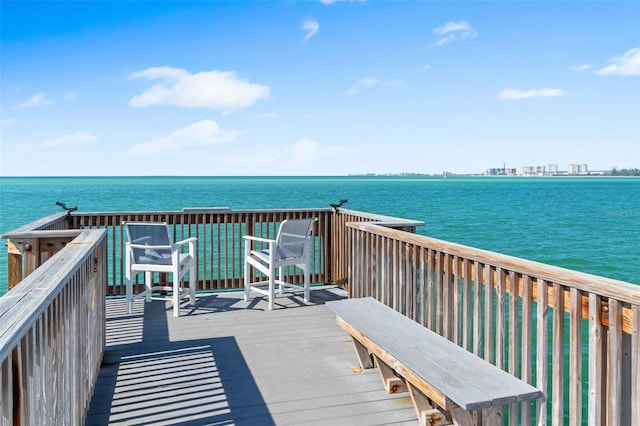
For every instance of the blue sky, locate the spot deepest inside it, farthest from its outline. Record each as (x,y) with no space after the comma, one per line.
(316,88)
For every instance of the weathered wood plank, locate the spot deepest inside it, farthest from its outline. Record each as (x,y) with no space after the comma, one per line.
(557,356)
(596,364)
(614,362)
(635,364)
(575,360)
(542,345)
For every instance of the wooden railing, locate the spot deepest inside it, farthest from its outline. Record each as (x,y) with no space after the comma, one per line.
(61,268)
(220,244)
(573,335)
(52,328)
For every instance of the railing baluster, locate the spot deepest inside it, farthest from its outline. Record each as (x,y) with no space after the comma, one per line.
(575,359)
(477,309)
(557,379)
(614,365)
(542,348)
(526,343)
(489,316)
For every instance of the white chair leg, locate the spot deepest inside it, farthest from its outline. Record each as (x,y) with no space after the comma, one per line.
(247,270)
(129,291)
(148,284)
(247,284)
(272,290)
(281,278)
(307,278)
(192,285)
(176,298)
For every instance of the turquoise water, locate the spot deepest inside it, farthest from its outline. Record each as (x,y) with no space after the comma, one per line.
(590,224)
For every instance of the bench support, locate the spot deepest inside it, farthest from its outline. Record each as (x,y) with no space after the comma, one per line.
(428,414)
(363,354)
(392,383)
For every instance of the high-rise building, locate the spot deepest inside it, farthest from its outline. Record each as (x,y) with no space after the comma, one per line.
(578,169)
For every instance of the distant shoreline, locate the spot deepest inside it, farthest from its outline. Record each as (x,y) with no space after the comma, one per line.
(351,175)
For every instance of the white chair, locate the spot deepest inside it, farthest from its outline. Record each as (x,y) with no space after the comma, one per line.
(290,248)
(150,249)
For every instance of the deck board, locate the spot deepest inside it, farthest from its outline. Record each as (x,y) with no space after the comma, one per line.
(230,362)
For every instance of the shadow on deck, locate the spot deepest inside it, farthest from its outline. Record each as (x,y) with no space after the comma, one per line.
(230,362)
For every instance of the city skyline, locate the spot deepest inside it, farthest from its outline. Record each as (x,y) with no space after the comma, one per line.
(316,88)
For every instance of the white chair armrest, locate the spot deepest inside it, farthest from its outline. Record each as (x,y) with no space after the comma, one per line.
(260,239)
(188,240)
(145,246)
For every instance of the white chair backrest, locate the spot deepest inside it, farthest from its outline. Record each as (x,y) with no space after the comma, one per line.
(154,234)
(292,239)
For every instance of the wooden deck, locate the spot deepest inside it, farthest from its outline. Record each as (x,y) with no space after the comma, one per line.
(230,362)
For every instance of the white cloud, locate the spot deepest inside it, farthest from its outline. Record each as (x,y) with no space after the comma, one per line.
(37,100)
(625,65)
(579,68)
(301,156)
(69,96)
(212,89)
(202,133)
(7,122)
(312,28)
(452,27)
(514,94)
(77,138)
(304,151)
(70,139)
(370,82)
(454,31)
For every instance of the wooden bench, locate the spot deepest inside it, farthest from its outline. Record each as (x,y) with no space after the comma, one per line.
(447,384)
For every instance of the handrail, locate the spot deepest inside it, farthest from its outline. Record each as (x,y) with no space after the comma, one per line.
(52,334)
(605,287)
(541,323)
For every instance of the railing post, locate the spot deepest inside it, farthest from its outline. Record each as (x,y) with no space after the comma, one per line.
(14,264)
(30,255)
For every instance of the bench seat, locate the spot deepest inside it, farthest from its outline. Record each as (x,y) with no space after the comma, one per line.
(432,368)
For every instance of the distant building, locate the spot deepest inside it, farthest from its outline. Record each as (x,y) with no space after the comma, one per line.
(525,171)
(578,169)
(502,171)
(546,170)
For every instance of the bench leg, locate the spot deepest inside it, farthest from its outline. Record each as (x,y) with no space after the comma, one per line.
(363,354)
(391,382)
(428,414)
(463,417)
(493,416)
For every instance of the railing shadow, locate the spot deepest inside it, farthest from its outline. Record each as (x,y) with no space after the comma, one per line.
(152,380)
(214,302)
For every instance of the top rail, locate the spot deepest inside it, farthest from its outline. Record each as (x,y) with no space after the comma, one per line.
(605,287)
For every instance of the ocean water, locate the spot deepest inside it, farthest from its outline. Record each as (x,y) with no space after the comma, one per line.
(590,224)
